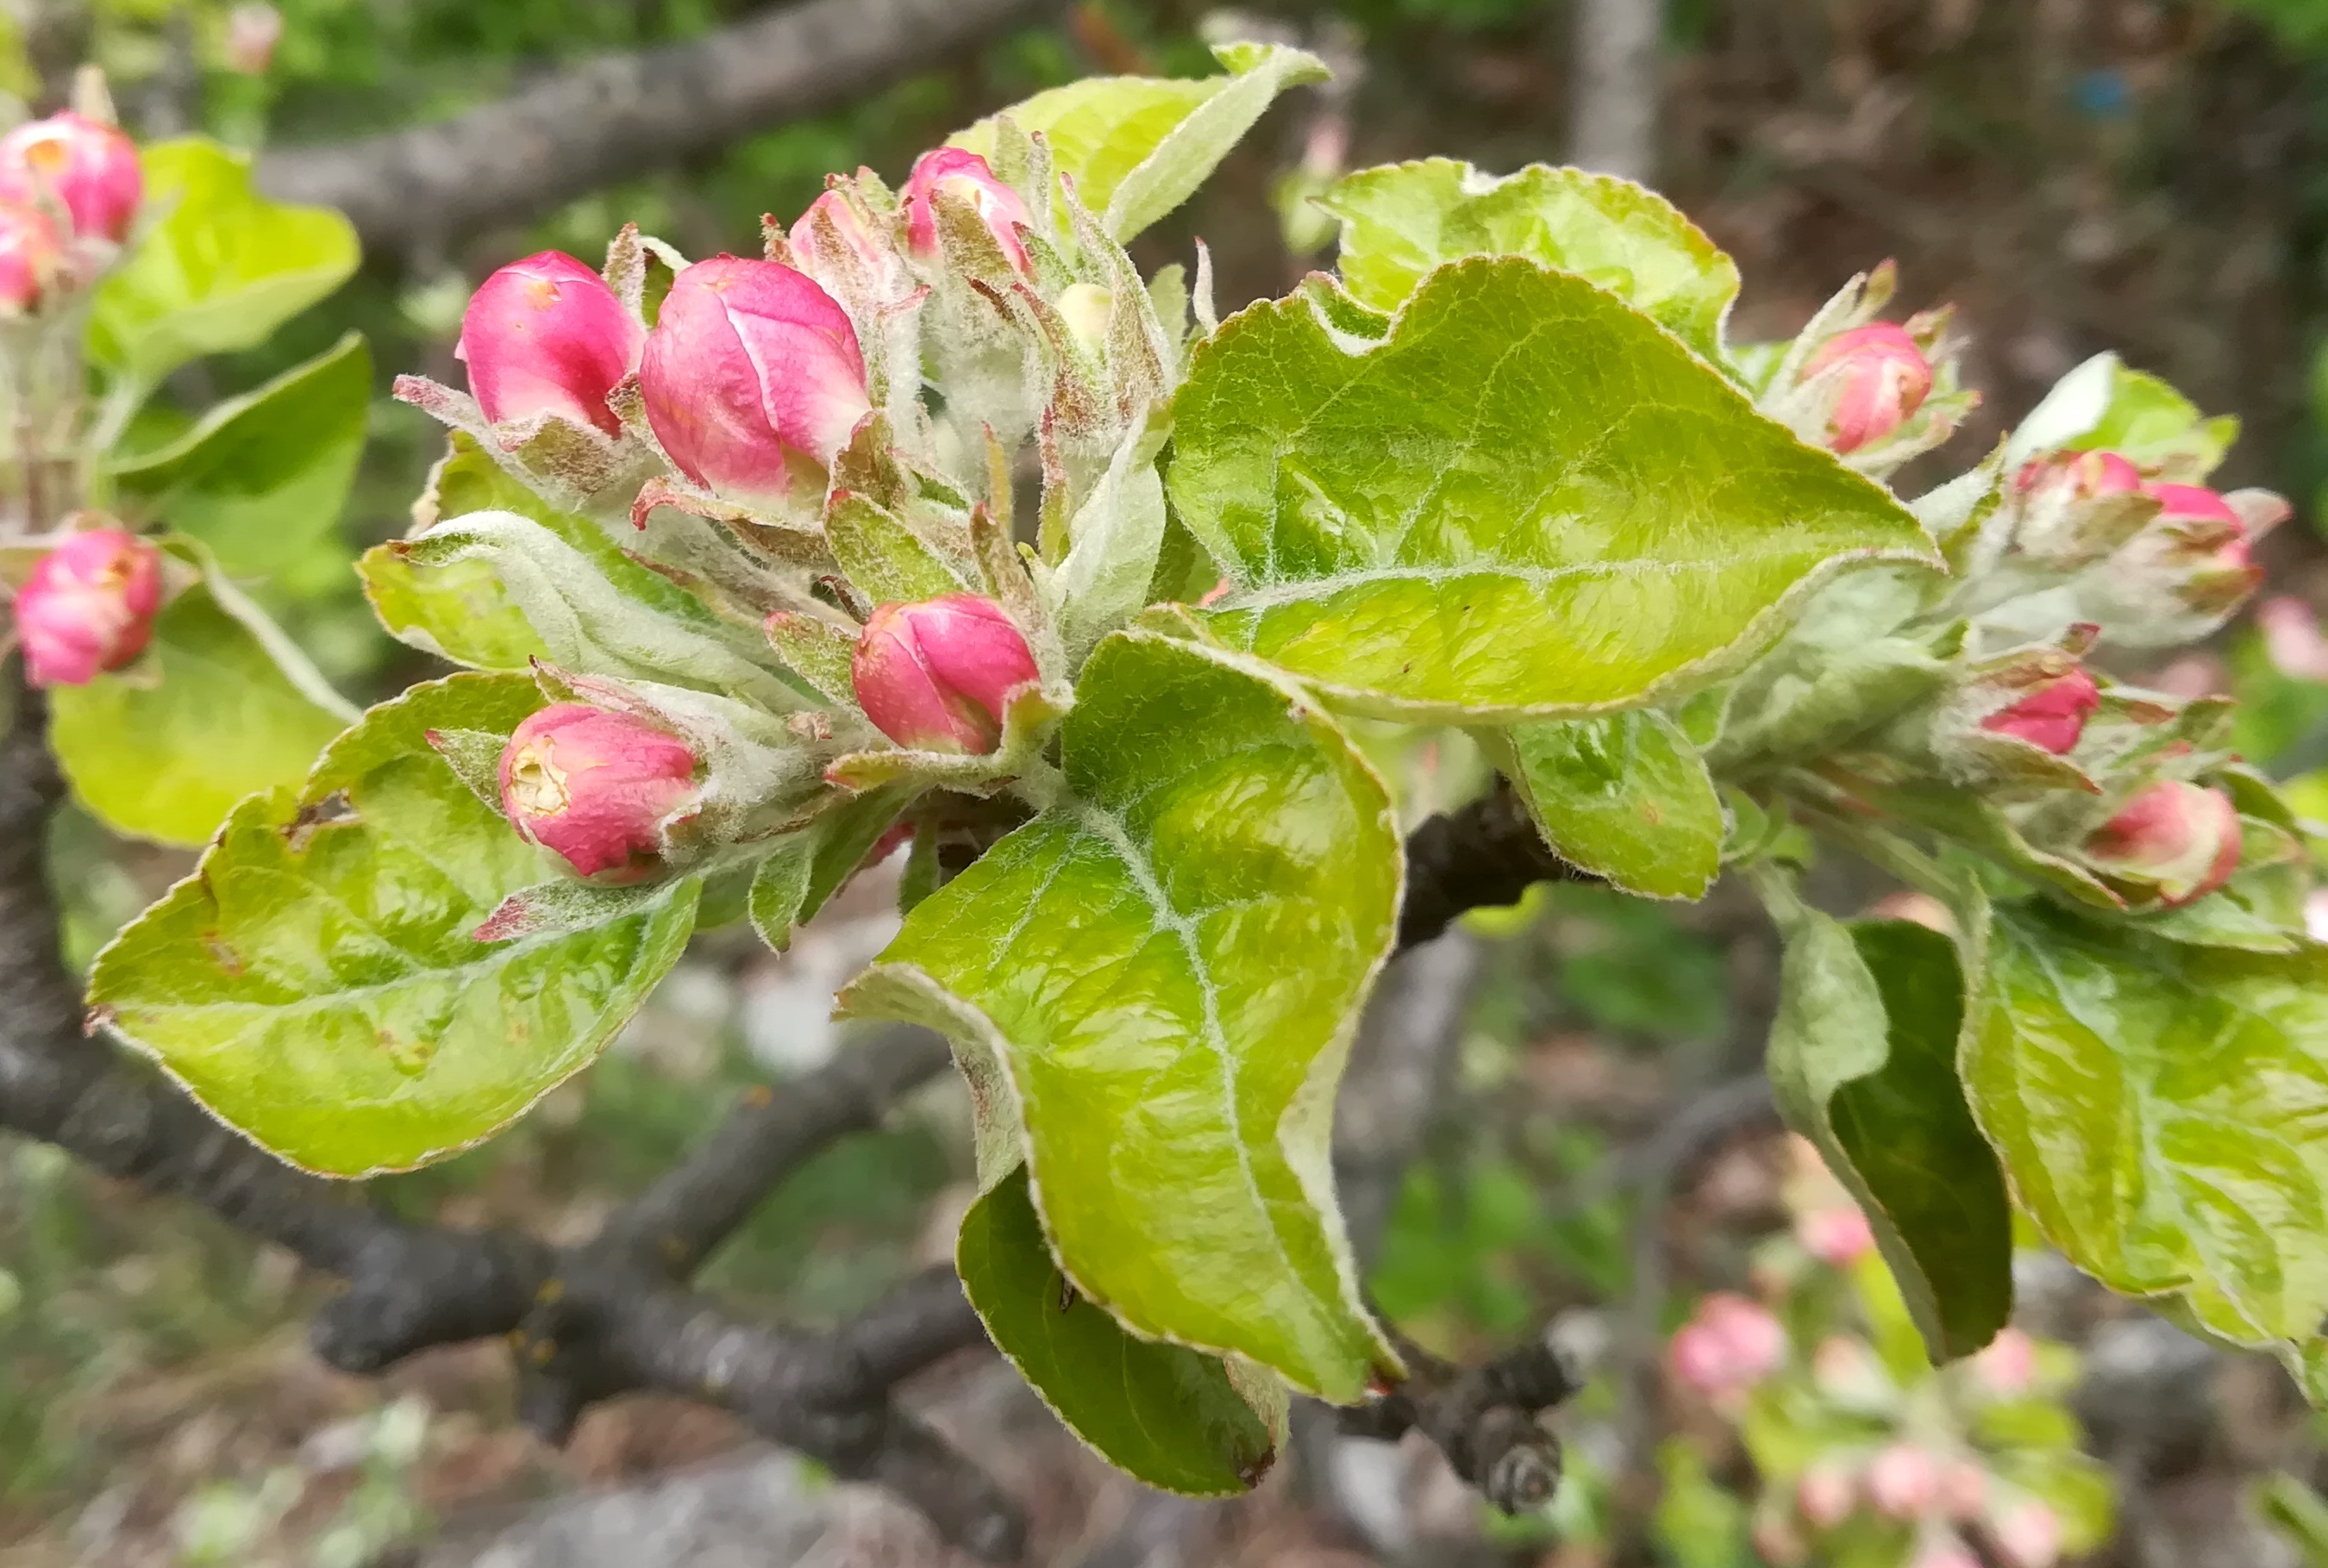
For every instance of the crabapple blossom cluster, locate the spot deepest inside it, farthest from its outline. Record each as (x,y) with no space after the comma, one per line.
(1865,1456)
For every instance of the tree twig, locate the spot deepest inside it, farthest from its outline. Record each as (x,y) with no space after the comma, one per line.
(608,119)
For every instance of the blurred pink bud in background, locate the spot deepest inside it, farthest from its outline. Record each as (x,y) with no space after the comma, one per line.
(88,607)
(88,166)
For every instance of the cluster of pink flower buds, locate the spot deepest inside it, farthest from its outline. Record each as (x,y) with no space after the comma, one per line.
(1730,1346)
(88,607)
(595,788)
(2052,716)
(966,177)
(545,336)
(2174,840)
(938,675)
(1881,378)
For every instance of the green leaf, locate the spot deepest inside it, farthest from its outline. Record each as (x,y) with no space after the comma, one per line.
(1153,988)
(1118,535)
(263,476)
(1400,221)
(1137,146)
(1626,797)
(2156,427)
(2160,1110)
(164,750)
(810,865)
(887,561)
(1168,1415)
(222,268)
(1863,1060)
(1526,500)
(314,982)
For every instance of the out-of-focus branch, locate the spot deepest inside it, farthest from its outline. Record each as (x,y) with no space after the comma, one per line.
(1613,114)
(624,114)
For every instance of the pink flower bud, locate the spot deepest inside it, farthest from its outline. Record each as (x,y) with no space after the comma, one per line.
(751,369)
(2007,1367)
(2315,915)
(545,336)
(1838,1237)
(2292,638)
(965,177)
(2195,503)
(1903,1481)
(2182,837)
(2084,475)
(936,675)
(31,252)
(1964,1486)
(1827,1493)
(1946,1553)
(252,31)
(2029,1535)
(1729,1346)
(832,209)
(88,166)
(89,606)
(2052,716)
(1884,379)
(595,787)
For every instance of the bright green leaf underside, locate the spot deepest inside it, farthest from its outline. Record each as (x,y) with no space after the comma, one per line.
(165,750)
(2163,1115)
(315,984)
(1165,1413)
(1526,499)
(1157,978)
(221,268)
(1863,1059)
(1400,221)
(1626,797)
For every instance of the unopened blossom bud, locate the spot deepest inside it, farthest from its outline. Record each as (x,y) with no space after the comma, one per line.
(1729,1345)
(966,177)
(545,336)
(2007,1366)
(1827,1493)
(2180,837)
(1903,1481)
(2085,474)
(2292,638)
(752,373)
(1838,1237)
(88,607)
(595,787)
(32,253)
(2028,1535)
(252,31)
(1964,1487)
(1881,377)
(1085,308)
(2052,716)
(832,209)
(937,675)
(2315,915)
(87,165)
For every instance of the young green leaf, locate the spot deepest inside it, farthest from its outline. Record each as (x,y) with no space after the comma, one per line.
(165,750)
(2158,1108)
(1864,1061)
(1527,500)
(886,561)
(1153,985)
(1626,797)
(1137,146)
(1401,222)
(262,476)
(1168,1415)
(220,270)
(315,983)
(810,865)
(1117,537)
(590,624)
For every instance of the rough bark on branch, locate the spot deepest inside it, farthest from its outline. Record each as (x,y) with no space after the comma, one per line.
(420,189)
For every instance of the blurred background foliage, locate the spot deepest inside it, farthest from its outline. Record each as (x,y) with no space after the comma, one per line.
(2143,175)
